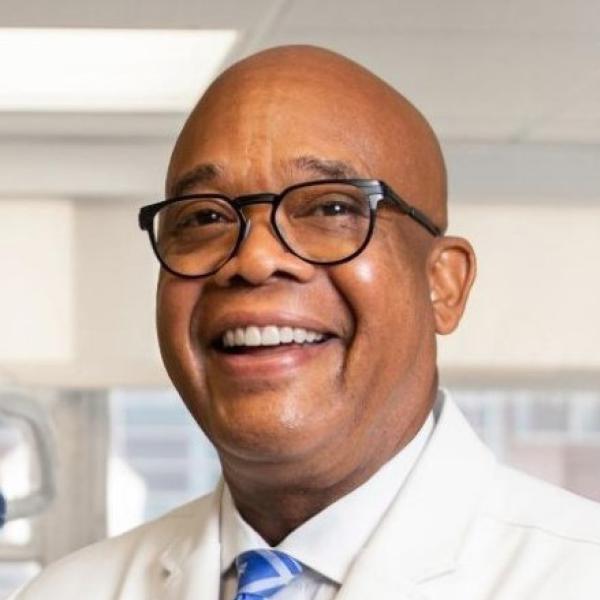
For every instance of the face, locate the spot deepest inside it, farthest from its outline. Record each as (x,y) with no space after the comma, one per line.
(320,411)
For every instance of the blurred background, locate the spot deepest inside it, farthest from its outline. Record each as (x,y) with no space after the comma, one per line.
(92,94)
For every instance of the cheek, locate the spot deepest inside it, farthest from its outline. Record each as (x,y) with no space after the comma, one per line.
(375,281)
(175,302)
(366,274)
(386,290)
(171,307)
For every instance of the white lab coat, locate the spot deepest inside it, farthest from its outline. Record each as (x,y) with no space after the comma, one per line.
(463,528)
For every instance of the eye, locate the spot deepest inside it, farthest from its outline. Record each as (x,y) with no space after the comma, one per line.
(332,205)
(200,218)
(334,208)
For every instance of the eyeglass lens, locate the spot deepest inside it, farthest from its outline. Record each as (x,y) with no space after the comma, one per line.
(322,223)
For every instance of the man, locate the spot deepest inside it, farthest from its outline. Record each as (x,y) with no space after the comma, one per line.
(297,309)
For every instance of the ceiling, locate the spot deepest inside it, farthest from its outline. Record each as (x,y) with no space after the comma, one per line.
(511,86)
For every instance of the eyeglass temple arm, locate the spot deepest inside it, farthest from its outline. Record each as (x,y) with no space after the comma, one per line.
(413,213)
(145,217)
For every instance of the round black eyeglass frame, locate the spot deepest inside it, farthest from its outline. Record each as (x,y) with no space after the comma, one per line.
(375,190)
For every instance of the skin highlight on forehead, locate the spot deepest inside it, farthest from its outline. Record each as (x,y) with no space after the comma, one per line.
(312,84)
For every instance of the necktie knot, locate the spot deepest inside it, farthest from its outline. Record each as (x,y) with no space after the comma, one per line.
(262,573)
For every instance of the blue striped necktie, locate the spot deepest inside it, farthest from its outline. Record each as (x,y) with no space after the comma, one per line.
(262,573)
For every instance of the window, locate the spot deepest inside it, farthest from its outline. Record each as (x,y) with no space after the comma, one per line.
(159,452)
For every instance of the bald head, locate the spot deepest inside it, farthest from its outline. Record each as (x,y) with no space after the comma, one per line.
(281,100)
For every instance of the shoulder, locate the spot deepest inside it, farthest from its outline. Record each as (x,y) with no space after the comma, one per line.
(530,539)
(546,538)
(157,533)
(111,562)
(521,501)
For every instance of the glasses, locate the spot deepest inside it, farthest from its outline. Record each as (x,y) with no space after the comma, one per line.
(324,222)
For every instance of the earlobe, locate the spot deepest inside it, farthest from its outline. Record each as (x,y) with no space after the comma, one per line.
(451,272)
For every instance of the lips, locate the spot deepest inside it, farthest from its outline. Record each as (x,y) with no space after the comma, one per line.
(256,345)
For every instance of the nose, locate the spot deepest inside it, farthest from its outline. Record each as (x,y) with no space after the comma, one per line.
(261,256)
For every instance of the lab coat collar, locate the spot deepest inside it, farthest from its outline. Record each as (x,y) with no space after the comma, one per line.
(190,564)
(421,536)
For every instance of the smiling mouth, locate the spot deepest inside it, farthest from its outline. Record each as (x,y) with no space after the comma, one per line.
(250,339)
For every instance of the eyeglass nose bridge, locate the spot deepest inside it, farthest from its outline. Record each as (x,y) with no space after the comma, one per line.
(242,202)
(251,199)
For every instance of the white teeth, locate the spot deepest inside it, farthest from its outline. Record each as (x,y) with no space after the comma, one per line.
(240,337)
(299,335)
(271,335)
(253,337)
(286,335)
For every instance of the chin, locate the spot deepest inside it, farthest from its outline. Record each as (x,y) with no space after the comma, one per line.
(271,438)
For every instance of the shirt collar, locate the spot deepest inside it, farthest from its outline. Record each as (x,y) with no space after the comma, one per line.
(329,542)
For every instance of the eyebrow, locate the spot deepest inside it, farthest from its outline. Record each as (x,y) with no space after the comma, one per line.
(208,172)
(200,174)
(332,169)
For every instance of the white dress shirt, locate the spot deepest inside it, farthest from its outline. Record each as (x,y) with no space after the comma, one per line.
(329,542)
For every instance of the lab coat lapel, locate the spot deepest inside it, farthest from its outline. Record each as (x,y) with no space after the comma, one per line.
(191,564)
(421,535)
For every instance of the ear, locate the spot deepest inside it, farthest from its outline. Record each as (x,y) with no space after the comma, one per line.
(451,269)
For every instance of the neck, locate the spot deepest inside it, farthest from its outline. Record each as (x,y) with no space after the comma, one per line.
(277,502)
(274,515)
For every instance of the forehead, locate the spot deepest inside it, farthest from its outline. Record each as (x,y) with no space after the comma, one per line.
(275,130)
(254,127)
(301,168)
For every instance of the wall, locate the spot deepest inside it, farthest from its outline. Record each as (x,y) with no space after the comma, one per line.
(535,301)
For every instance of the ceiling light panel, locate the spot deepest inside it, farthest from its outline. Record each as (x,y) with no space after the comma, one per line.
(108,70)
